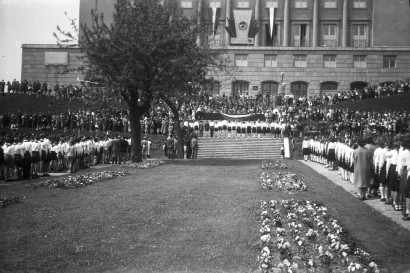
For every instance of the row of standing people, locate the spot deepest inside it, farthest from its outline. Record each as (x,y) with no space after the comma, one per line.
(376,168)
(32,157)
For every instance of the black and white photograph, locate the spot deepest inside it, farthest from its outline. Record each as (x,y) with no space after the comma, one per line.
(205,136)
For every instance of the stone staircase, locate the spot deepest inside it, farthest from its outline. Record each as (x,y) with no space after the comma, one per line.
(239,148)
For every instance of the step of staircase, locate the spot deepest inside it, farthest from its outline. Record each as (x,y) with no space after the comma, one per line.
(239,148)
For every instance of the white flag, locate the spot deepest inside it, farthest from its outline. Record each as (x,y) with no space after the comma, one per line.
(271,21)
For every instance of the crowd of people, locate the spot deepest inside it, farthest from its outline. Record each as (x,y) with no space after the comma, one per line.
(32,156)
(377,167)
(112,120)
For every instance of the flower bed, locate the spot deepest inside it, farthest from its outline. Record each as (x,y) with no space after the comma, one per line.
(282,180)
(149,164)
(273,164)
(71,182)
(6,201)
(302,236)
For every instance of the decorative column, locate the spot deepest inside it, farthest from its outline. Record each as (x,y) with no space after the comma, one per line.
(315,23)
(199,38)
(258,21)
(228,16)
(264,34)
(345,23)
(286,24)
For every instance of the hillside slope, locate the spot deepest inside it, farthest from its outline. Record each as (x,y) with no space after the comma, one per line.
(392,103)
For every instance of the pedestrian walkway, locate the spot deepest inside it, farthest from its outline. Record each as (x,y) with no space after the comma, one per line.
(375,203)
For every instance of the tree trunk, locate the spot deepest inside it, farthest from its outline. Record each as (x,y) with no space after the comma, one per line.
(180,135)
(136,149)
(177,125)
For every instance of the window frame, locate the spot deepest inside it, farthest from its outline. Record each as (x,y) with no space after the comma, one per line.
(357,4)
(298,59)
(241,60)
(270,91)
(212,90)
(187,4)
(215,3)
(328,4)
(299,4)
(327,91)
(272,4)
(327,59)
(273,63)
(292,84)
(388,58)
(327,27)
(357,34)
(240,83)
(240,4)
(359,61)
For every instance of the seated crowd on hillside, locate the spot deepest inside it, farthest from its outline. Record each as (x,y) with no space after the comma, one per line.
(383,174)
(26,156)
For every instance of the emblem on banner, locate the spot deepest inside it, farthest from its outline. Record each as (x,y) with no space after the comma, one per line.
(243,25)
(242,28)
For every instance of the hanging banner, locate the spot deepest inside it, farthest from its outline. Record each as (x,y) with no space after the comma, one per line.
(214,23)
(271,21)
(242,25)
(237,117)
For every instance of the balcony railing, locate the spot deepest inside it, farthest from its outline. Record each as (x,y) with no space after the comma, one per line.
(359,42)
(329,42)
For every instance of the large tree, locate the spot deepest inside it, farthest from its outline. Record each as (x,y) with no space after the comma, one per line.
(193,63)
(149,50)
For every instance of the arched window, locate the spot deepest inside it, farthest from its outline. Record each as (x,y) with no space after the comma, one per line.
(269,88)
(328,87)
(299,89)
(212,88)
(240,88)
(358,85)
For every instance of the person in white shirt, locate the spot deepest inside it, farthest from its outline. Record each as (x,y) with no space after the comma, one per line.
(212,128)
(305,148)
(35,153)
(18,159)
(229,126)
(379,159)
(243,129)
(393,181)
(70,155)
(9,161)
(54,156)
(404,172)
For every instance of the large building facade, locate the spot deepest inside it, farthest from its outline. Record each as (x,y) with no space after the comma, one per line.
(306,47)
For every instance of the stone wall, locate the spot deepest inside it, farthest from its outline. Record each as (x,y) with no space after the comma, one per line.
(315,73)
(34,67)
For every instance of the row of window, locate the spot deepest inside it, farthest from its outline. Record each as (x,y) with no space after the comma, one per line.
(299,4)
(298,88)
(329,35)
(240,88)
(359,61)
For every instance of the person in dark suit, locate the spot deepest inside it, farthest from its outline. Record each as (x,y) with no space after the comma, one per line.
(2,87)
(115,150)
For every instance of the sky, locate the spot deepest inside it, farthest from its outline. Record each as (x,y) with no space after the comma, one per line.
(30,22)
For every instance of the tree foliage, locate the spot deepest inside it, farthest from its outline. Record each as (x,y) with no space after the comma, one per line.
(149,51)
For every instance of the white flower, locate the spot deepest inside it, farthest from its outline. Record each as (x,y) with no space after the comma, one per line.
(265,250)
(265,238)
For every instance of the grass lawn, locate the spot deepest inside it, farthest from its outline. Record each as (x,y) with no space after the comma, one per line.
(187,216)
